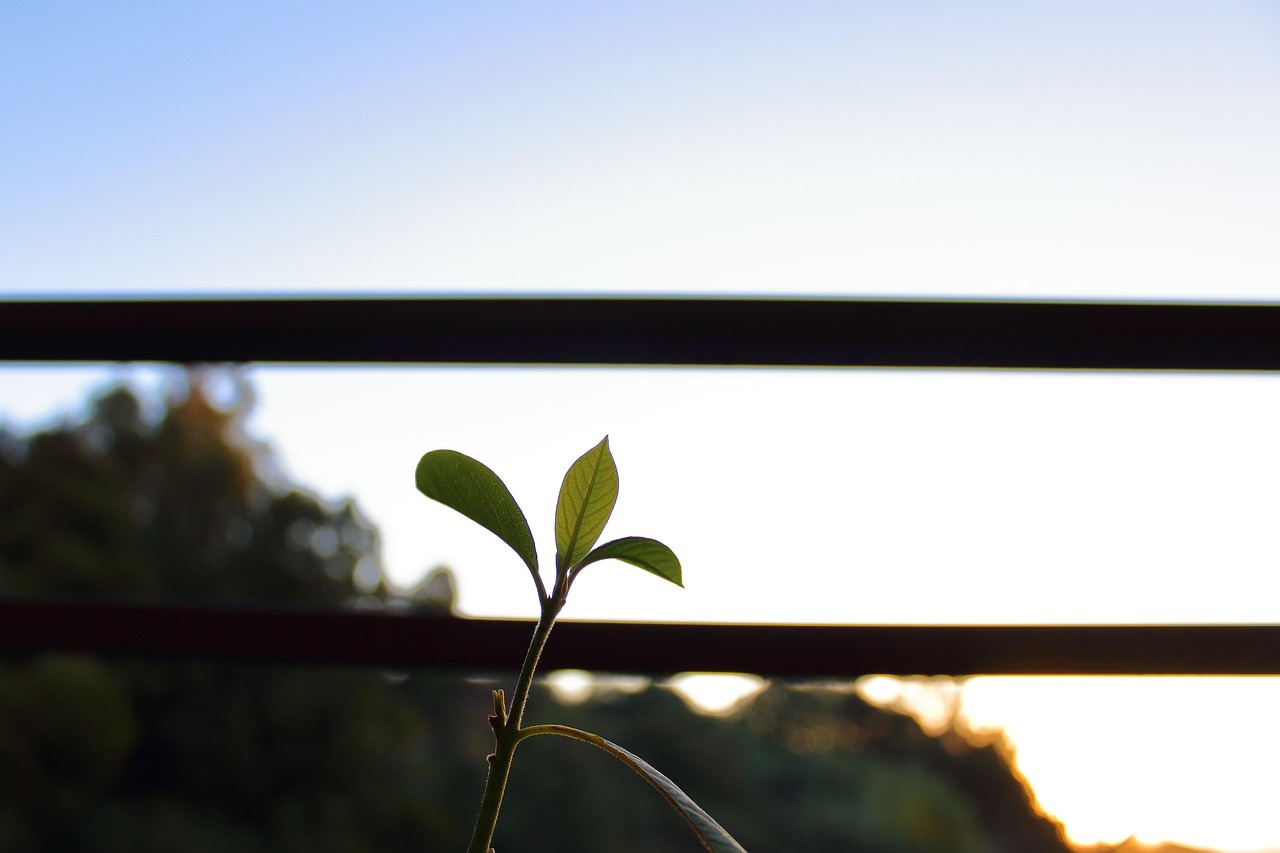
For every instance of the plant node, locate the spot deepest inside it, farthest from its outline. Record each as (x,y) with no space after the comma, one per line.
(498,719)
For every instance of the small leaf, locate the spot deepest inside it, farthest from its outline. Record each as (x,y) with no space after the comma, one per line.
(711,834)
(587,496)
(649,554)
(461,483)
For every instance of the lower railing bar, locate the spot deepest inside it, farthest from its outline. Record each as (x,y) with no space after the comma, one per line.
(407,640)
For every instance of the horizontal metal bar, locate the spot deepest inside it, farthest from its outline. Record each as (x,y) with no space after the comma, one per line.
(678,331)
(390,640)
(764,332)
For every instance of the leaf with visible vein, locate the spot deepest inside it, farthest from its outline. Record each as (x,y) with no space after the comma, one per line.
(463,484)
(649,554)
(587,496)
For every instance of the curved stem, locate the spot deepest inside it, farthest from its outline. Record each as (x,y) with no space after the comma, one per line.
(563,731)
(510,733)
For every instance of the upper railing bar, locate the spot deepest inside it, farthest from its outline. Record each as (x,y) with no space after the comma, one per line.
(649,331)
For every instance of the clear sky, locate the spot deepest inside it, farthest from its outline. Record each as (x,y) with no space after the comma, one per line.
(1078,148)
(1089,150)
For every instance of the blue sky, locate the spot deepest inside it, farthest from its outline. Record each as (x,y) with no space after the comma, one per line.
(1082,149)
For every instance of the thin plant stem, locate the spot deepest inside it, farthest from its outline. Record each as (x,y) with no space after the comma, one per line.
(509,734)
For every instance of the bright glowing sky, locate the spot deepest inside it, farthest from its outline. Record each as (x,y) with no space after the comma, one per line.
(1091,150)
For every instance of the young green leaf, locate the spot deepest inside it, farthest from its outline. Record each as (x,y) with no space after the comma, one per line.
(587,496)
(649,554)
(461,483)
(711,834)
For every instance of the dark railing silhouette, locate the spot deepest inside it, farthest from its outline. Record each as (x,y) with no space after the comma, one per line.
(676,331)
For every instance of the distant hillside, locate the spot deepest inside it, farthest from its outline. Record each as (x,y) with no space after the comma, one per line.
(1135,846)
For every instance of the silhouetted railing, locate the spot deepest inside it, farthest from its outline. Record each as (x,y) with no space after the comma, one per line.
(317,636)
(763,332)
(757,332)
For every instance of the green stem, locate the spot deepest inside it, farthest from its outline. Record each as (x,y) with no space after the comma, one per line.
(563,731)
(510,734)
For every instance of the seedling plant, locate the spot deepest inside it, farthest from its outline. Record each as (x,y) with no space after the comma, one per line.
(587,497)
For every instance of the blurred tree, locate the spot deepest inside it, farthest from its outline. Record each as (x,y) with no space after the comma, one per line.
(120,755)
(176,508)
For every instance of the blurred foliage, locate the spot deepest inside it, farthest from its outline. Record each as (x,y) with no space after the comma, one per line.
(109,755)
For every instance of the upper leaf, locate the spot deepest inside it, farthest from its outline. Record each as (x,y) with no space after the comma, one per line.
(649,554)
(587,496)
(462,483)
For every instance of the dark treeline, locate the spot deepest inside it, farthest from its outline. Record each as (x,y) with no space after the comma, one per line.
(119,754)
